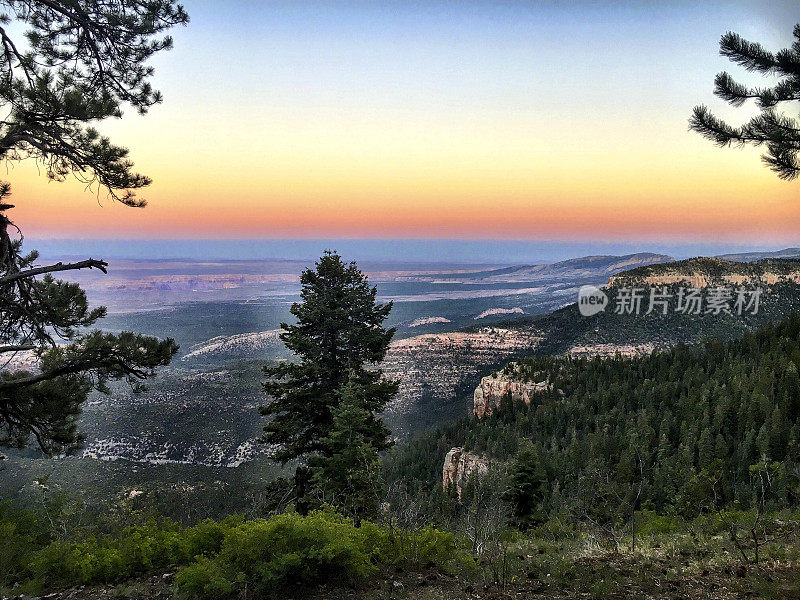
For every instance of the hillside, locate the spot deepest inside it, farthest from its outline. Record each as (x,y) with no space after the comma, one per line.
(676,422)
(574,268)
(705,272)
(752,256)
(440,372)
(605,265)
(617,468)
(566,331)
(443,370)
(201,411)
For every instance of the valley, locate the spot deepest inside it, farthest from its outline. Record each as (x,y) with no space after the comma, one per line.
(453,328)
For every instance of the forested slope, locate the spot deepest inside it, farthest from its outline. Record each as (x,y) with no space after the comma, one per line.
(688,429)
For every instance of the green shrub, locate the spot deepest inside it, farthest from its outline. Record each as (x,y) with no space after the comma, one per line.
(134,550)
(650,523)
(555,529)
(206,537)
(219,558)
(721,521)
(290,550)
(203,579)
(21,535)
(435,546)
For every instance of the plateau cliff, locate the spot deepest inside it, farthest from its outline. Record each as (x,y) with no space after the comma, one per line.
(493,389)
(459,465)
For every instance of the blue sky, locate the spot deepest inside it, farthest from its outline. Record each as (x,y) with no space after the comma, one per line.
(528,121)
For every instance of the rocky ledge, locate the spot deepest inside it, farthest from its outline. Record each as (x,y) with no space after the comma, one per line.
(459,465)
(494,388)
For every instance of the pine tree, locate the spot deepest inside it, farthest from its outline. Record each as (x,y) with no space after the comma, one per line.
(348,471)
(527,482)
(339,340)
(48,318)
(777,131)
(77,63)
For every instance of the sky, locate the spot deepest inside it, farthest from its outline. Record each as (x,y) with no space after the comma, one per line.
(524,121)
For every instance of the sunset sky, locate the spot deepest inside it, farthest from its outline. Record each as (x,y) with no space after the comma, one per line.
(491,120)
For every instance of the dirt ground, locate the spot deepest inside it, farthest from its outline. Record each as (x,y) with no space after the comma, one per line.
(612,578)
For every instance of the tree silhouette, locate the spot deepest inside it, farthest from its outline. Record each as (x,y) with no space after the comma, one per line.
(339,339)
(779,132)
(80,63)
(47,318)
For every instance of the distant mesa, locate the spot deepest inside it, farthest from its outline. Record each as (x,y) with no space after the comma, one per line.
(428,321)
(602,263)
(586,266)
(705,272)
(500,311)
(754,256)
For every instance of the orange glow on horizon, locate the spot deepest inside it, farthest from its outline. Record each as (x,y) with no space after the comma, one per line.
(408,131)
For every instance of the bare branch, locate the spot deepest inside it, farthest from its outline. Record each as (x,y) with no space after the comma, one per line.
(90,263)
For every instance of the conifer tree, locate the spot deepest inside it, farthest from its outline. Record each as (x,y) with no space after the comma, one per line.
(48,318)
(349,470)
(77,63)
(339,342)
(527,482)
(776,130)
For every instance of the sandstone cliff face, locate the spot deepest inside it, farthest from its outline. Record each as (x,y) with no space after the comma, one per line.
(702,280)
(436,365)
(708,272)
(489,394)
(459,465)
(611,350)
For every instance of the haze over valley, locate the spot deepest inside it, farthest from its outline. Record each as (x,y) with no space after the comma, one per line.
(455,324)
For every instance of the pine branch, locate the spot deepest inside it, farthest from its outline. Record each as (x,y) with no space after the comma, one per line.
(788,62)
(732,92)
(716,130)
(782,161)
(796,43)
(750,55)
(105,356)
(784,91)
(16,348)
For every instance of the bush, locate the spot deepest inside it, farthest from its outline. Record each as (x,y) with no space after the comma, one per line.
(721,521)
(206,537)
(134,550)
(203,579)
(290,550)
(556,529)
(650,523)
(21,535)
(220,558)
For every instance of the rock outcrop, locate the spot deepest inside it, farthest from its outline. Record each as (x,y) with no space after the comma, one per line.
(433,367)
(610,350)
(490,393)
(708,272)
(459,465)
